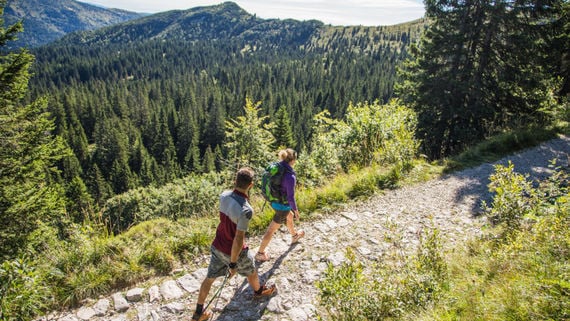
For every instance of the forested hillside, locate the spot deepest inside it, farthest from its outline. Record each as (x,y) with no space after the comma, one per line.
(45,20)
(145,102)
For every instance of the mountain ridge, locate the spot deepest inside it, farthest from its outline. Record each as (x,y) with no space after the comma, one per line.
(46,21)
(218,22)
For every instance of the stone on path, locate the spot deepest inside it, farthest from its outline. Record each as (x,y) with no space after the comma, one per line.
(121,304)
(153,294)
(189,283)
(135,295)
(101,307)
(174,307)
(170,290)
(85,313)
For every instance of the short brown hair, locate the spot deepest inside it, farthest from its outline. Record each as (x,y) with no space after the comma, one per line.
(244,177)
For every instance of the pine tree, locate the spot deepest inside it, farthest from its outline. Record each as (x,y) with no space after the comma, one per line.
(249,138)
(283,133)
(209,164)
(28,153)
(477,71)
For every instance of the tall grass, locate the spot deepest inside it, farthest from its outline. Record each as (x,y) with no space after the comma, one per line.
(388,289)
(518,271)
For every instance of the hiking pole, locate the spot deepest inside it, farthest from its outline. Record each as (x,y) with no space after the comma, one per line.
(218,293)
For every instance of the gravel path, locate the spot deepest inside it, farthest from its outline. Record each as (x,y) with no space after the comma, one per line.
(450,203)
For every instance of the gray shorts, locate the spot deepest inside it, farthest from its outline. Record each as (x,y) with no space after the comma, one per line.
(219,262)
(280,217)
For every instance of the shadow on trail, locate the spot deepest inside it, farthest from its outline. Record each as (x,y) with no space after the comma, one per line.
(533,162)
(243,300)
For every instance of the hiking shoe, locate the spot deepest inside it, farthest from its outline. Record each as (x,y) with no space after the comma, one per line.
(297,237)
(262,257)
(202,317)
(265,292)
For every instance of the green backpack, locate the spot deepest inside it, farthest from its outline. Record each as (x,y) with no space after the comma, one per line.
(271,183)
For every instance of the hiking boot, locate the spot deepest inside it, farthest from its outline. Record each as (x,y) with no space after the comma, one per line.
(202,317)
(297,237)
(266,291)
(262,257)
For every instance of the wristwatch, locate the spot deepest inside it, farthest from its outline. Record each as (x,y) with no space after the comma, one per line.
(233,265)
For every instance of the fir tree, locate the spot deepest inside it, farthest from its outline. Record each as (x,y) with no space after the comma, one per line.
(478,70)
(249,138)
(283,133)
(29,151)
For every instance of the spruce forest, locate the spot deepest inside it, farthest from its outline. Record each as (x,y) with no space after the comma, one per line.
(139,106)
(106,127)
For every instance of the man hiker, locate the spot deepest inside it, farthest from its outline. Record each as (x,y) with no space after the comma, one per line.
(286,209)
(229,252)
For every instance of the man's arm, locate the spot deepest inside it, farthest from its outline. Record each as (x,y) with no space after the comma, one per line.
(237,246)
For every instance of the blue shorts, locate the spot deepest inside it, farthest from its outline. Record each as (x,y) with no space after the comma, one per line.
(219,262)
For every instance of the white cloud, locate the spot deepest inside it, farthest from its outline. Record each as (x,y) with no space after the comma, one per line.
(336,12)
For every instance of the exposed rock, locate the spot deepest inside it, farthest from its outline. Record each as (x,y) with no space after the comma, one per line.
(135,295)
(120,303)
(170,290)
(86,313)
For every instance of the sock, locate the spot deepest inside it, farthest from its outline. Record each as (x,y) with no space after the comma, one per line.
(199,308)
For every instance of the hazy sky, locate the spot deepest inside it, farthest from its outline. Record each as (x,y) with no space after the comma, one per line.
(335,12)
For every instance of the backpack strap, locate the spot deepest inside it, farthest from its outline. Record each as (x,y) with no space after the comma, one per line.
(241,201)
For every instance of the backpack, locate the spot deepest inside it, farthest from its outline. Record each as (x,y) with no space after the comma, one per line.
(271,182)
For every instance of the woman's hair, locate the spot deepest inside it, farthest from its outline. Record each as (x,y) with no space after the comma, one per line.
(244,177)
(287,155)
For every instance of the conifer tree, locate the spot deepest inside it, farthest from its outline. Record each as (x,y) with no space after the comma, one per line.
(28,153)
(209,161)
(478,71)
(283,133)
(249,138)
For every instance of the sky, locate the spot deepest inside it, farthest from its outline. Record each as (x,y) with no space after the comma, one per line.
(335,12)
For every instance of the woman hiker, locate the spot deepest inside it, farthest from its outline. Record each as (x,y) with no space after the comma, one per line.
(285,211)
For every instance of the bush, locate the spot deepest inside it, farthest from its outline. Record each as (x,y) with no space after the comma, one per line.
(194,195)
(514,199)
(349,293)
(22,291)
(375,133)
(520,277)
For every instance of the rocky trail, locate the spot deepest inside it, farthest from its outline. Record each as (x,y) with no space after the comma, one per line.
(450,203)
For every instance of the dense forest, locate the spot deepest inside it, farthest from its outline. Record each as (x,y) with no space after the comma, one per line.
(141,105)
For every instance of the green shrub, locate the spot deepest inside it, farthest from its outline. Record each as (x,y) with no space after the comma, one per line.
(374,133)
(23,293)
(158,256)
(514,199)
(192,196)
(520,277)
(386,290)
(323,161)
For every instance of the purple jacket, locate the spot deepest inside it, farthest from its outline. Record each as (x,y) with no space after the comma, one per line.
(288,185)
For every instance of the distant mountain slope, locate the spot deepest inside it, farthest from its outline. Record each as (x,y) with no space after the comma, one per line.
(227,21)
(211,23)
(48,20)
